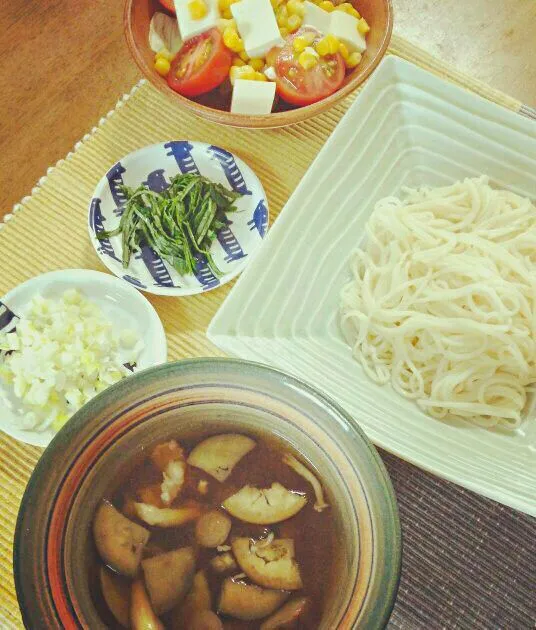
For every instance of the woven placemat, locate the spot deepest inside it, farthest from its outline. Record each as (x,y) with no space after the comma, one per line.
(468,562)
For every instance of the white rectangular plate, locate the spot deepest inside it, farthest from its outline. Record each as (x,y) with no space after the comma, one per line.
(407,128)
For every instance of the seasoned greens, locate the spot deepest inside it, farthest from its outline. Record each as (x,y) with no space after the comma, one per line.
(179,223)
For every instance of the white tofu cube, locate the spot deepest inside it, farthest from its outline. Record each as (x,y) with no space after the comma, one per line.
(344,27)
(257,26)
(316,17)
(189,27)
(252,97)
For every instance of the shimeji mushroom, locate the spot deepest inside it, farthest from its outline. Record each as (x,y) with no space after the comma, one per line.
(116,593)
(169,577)
(197,600)
(212,529)
(264,506)
(287,615)
(303,471)
(168,517)
(219,454)
(142,616)
(223,562)
(270,565)
(247,601)
(119,541)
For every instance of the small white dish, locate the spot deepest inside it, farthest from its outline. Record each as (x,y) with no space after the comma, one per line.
(120,303)
(406,128)
(153,166)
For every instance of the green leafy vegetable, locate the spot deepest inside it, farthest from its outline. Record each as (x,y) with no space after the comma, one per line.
(180,223)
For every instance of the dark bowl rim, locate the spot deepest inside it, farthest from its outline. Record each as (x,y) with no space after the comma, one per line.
(47,459)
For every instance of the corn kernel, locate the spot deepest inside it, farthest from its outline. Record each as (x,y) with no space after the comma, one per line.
(260,76)
(243,55)
(294,23)
(328,45)
(300,43)
(363,27)
(165,54)
(162,66)
(353,60)
(308,58)
(232,40)
(243,72)
(347,8)
(256,63)
(223,24)
(343,50)
(284,32)
(327,6)
(197,9)
(226,14)
(238,62)
(296,7)
(282,16)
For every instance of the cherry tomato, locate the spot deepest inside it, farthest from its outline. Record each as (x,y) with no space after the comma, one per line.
(201,65)
(168,4)
(299,86)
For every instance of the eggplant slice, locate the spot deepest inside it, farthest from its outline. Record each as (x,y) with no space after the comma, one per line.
(288,615)
(270,565)
(247,601)
(169,577)
(219,454)
(116,593)
(119,540)
(167,517)
(264,506)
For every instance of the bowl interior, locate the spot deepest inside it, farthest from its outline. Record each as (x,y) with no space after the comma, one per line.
(197,398)
(215,105)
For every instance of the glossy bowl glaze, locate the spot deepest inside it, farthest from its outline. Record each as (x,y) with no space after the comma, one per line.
(137,17)
(53,545)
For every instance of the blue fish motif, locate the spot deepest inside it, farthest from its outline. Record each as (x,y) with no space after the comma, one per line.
(181,150)
(260,218)
(231,170)
(8,319)
(115,180)
(230,244)
(155,266)
(156,181)
(204,274)
(134,281)
(96,221)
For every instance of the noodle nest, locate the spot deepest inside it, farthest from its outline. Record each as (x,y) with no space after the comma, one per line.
(443,301)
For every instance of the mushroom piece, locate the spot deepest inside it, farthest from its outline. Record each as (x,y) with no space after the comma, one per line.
(247,601)
(205,620)
(303,471)
(170,460)
(116,593)
(264,506)
(219,454)
(212,529)
(197,600)
(142,616)
(169,577)
(287,616)
(168,517)
(223,562)
(119,541)
(270,565)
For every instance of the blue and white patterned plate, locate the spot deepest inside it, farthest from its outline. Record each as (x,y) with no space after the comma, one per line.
(154,165)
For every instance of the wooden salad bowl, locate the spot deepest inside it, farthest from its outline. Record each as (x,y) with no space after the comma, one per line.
(215,106)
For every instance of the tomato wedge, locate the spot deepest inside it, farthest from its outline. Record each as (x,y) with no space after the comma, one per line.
(168,4)
(299,86)
(201,64)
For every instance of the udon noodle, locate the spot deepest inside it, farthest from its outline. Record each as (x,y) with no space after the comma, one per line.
(443,300)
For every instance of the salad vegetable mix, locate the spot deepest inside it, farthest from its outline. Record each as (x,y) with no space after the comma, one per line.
(304,48)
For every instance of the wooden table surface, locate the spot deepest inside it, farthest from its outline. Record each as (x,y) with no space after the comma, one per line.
(64,65)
